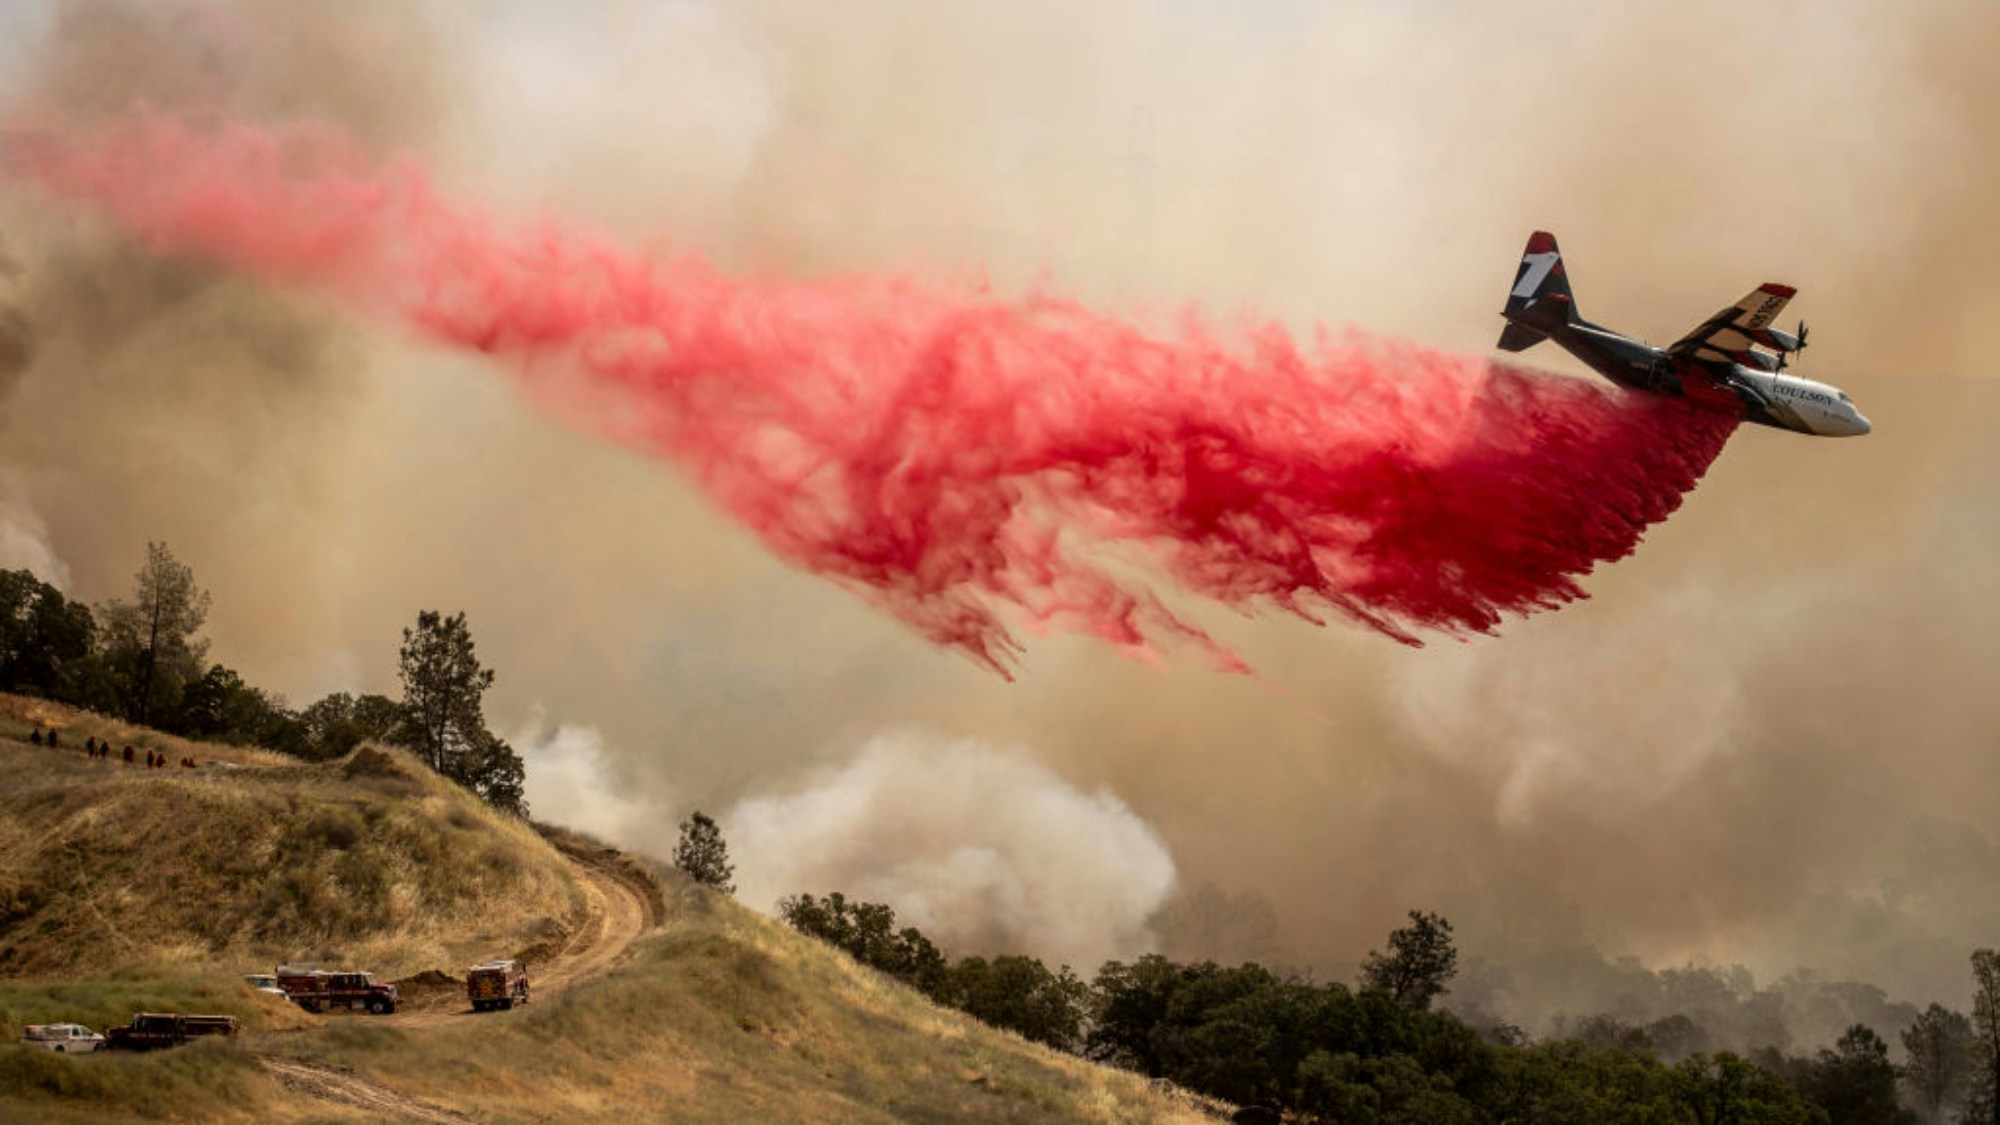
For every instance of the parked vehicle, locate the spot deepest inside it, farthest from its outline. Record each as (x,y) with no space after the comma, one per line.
(265,982)
(317,990)
(496,984)
(62,1038)
(150,1031)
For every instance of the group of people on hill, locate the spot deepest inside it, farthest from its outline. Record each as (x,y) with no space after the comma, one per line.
(101,748)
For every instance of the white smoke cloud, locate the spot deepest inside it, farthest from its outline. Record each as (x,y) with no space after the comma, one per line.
(984,849)
(572,781)
(24,541)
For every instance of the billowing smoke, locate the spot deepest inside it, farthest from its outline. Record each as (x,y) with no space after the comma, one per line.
(983,849)
(1767,737)
(16,342)
(163,395)
(24,540)
(573,779)
(944,451)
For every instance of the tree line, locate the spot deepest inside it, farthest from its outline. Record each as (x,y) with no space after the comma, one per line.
(143,659)
(1380,1053)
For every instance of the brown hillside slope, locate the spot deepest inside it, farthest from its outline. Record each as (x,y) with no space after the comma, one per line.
(721,1015)
(370,861)
(724,1015)
(715,1014)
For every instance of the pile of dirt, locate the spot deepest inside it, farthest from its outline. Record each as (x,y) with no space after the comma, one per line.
(430,982)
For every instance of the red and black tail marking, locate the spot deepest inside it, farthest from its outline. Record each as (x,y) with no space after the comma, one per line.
(1541,277)
(1540,300)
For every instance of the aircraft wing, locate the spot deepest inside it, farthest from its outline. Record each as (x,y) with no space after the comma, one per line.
(1726,336)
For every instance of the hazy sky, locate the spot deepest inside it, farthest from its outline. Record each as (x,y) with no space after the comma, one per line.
(1768,738)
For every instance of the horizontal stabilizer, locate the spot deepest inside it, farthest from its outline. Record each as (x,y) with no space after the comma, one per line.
(1519,338)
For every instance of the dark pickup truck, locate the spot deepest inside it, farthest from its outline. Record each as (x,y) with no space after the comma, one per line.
(150,1031)
(316,990)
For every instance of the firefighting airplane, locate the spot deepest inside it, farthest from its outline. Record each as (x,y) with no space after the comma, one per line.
(1732,362)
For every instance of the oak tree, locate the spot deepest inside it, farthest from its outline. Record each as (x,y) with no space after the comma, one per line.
(1420,960)
(151,639)
(703,854)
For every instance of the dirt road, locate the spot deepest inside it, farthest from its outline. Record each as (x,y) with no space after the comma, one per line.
(616,912)
(617,908)
(619,904)
(323,1083)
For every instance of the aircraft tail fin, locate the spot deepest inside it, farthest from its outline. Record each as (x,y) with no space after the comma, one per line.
(1541,293)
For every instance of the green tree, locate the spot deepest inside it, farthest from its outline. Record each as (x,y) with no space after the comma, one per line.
(1609,1031)
(340,722)
(1420,960)
(1938,1067)
(220,706)
(46,640)
(1854,1080)
(866,931)
(1676,1037)
(1132,1003)
(1727,1089)
(1983,1106)
(703,854)
(1020,994)
(151,639)
(443,691)
(444,721)
(498,775)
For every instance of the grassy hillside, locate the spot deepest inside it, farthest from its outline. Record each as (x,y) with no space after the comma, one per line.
(726,1016)
(369,861)
(206,1083)
(123,889)
(721,1015)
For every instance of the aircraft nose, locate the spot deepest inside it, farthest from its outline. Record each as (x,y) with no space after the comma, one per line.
(1861,424)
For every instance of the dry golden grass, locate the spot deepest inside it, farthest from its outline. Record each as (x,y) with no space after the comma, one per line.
(724,1015)
(370,861)
(123,889)
(21,714)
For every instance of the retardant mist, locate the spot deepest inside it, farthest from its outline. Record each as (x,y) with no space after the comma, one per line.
(948,452)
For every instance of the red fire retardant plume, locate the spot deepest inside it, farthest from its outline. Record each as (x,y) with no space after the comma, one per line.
(949,453)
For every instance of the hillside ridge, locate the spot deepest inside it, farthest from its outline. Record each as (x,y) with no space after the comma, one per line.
(654,997)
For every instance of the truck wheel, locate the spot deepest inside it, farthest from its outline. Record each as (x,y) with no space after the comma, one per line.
(507,1005)
(310,1006)
(61,1050)
(379,1006)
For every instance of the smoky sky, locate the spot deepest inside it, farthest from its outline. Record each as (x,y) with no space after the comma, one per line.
(1767,737)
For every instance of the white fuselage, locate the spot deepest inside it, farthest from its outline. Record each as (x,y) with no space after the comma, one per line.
(1803,405)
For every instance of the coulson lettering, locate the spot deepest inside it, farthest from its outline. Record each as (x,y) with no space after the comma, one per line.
(1810,396)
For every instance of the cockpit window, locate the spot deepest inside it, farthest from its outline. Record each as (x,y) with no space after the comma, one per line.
(1844,398)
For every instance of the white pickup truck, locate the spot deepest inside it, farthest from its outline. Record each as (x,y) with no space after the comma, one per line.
(63,1038)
